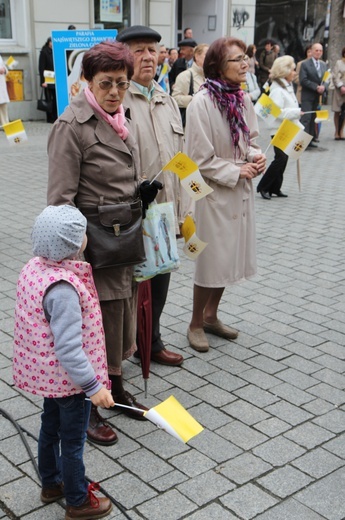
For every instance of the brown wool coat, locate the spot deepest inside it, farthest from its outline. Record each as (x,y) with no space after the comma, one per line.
(87,160)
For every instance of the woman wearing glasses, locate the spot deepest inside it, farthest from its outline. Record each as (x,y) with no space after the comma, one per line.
(220,138)
(93,160)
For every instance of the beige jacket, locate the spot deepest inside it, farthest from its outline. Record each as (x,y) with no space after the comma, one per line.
(182,83)
(88,160)
(159,134)
(225,218)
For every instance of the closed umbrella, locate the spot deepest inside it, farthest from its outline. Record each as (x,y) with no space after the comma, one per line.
(341,117)
(144,328)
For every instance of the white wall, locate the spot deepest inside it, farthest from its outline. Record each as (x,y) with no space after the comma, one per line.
(162,19)
(241,20)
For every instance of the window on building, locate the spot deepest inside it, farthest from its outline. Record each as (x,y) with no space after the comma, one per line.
(113,14)
(6,20)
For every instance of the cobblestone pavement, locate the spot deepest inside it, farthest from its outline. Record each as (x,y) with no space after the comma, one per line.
(272,402)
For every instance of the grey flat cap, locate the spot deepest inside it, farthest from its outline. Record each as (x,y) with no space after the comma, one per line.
(187,42)
(138,32)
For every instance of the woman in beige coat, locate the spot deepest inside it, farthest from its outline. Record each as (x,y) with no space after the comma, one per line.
(93,158)
(220,138)
(193,76)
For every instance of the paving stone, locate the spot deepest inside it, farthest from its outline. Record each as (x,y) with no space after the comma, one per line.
(272,427)
(226,381)
(336,446)
(285,481)
(214,446)
(248,501)
(246,412)
(308,435)
(174,504)
(208,416)
(242,435)
(328,393)
(129,490)
(168,481)
(278,451)
(326,496)
(292,394)
(318,407)
(256,396)
(288,412)
(214,395)
(290,510)
(244,468)
(318,463)
(192,463)
(297,378)
(212,511)
(303,365)
(206,487)
(145,464)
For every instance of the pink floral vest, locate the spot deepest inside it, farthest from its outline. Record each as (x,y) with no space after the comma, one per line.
(35,366)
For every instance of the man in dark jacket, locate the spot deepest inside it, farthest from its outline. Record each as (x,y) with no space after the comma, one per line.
(184,61)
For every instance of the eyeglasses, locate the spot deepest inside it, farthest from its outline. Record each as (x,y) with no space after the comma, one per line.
(244,58)
(105,84)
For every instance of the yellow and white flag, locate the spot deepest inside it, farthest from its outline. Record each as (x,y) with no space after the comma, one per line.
(11,63)
(15,132)
(291,139)
(173,418)
(190,177)
(326,76)
(49,76)
(266,109)
(321,115)
(193,245)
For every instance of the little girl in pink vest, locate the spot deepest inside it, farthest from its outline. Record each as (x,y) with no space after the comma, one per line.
(59,354)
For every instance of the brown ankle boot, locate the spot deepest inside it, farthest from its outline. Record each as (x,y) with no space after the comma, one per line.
(93,507)
(99,431)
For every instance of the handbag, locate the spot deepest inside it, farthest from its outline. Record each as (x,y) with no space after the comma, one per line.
(43,104)
(114,234)
(190,93)
(159,242)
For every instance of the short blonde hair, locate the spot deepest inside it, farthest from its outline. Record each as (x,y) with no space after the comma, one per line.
(282,67)
(199,49)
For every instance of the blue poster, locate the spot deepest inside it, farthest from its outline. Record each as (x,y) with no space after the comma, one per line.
(68,50)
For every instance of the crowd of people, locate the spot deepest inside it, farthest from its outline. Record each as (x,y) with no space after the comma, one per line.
(143,103)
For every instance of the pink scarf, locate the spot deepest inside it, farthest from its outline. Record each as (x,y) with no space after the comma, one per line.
(117,121)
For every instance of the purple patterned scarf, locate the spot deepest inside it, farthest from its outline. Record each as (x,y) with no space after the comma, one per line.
(229,98)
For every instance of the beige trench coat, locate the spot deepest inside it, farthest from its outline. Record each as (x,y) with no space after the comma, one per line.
(225,218)
(159,134)
(182,84)
(87,160)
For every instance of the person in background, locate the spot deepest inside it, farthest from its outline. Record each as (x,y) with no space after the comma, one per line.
(313,89)
(221,134)
(282,93)
(266,60)
(159,133)
(252,86)
(4,98)
(173,55)
(338,102)
(185,60)
(163,68)
(298,68)
(193,76)
(253,64)
(276,50)
(46,62)
(94,160)
(71,28)
(188,33)
(58,336)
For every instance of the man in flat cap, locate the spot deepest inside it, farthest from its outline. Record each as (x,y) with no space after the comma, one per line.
(157,126)
(184,61)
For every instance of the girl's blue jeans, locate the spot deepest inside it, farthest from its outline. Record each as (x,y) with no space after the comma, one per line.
(61,445)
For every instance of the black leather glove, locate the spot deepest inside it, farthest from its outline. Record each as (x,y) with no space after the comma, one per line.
(148,193)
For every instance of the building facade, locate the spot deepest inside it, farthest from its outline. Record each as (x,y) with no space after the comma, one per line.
(25,26)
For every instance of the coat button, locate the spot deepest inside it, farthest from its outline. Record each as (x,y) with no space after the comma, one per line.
(234,217)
